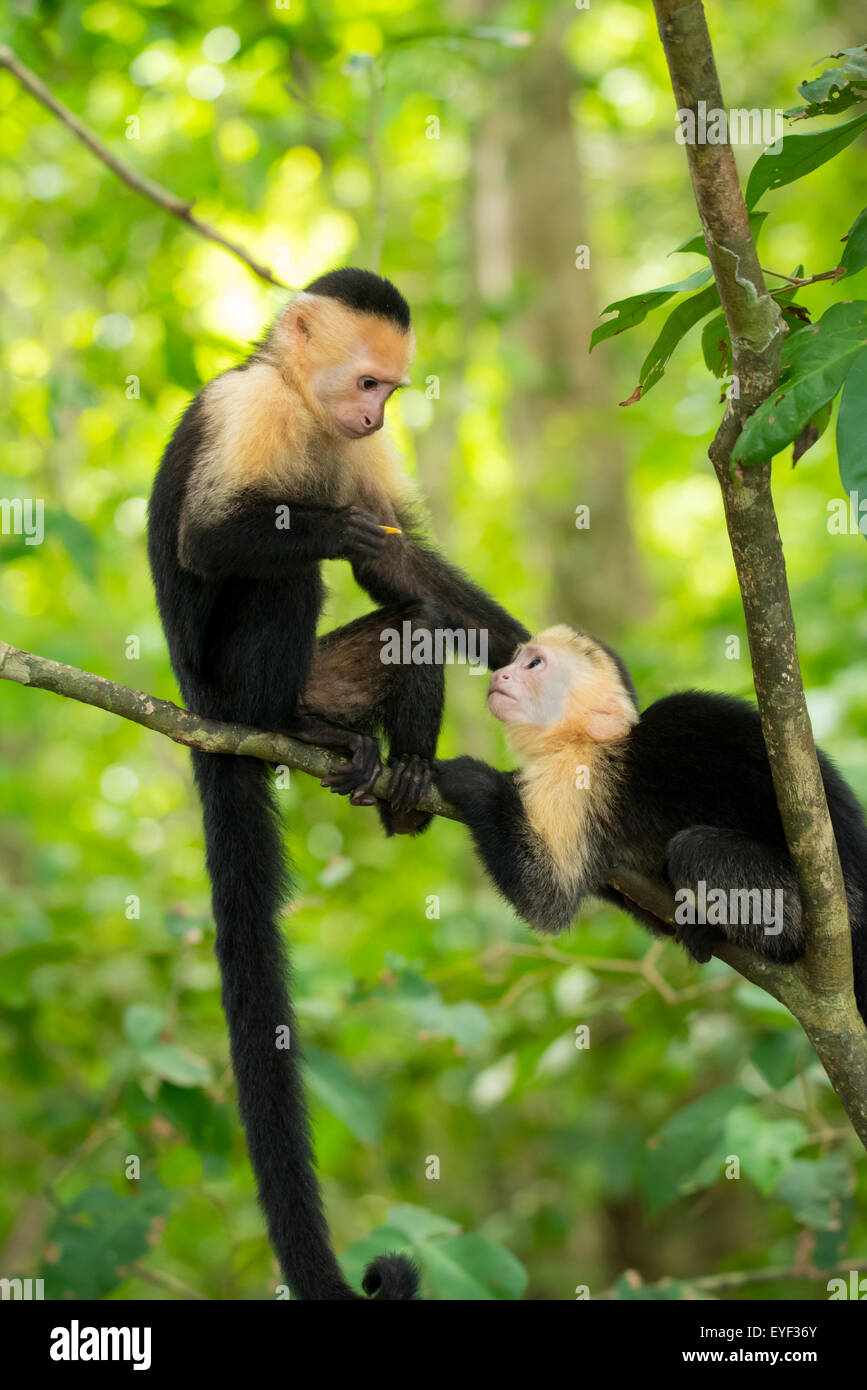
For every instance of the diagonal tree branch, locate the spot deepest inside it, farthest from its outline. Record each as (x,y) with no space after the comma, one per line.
(787,983)
(139,183)
(179,725)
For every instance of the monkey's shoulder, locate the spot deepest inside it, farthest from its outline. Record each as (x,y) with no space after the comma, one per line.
(250,432)
(699,713)
(698,735)
(236,440)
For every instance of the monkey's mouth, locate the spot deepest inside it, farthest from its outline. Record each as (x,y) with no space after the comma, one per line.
(350,432)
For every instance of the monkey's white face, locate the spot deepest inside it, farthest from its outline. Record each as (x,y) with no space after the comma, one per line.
(534,689)
(353,362)
(575,687)
(354,394)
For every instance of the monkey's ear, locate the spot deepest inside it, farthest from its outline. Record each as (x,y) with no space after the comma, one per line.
(299,319)
(607,721)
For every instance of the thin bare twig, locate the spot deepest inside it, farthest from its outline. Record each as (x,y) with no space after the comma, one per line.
(139,183)
(161,1280)
(836,274)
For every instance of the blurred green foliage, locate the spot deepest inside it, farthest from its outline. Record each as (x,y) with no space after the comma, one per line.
(454,1114)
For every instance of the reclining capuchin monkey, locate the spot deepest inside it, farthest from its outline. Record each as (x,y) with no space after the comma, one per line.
(681,793)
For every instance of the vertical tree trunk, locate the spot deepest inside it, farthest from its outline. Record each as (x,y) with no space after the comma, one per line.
(561,415)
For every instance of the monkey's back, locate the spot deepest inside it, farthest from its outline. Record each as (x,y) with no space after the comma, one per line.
(240,647)
(696,758)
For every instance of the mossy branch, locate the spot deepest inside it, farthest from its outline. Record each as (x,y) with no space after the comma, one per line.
(789,984)
(211,735)
(819,990)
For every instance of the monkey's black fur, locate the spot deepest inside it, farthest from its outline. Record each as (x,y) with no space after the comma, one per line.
(364,292)
(693,800)
(240,614)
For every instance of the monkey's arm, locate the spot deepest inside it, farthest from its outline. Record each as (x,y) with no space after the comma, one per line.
(263,537)
(512,853)
(407,568)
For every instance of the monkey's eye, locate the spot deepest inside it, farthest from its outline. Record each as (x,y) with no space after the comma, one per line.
(537,661)
(367,383)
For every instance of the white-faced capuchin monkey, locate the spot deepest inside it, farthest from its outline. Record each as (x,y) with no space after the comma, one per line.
(276,466)
(681,794)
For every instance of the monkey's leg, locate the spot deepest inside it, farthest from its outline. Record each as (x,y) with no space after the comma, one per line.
(747,890)
(364,766)
(346,684)
(350,684)
(410,717)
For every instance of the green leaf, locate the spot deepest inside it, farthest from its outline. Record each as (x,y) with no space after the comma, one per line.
(17,967)
(342,1093)
(207,1124)
(681,319)
(716,346)
(418,1224)
(143,1023)
(689,1150)
(835,88)
(696,241)
(819,358)
(779,1055)
(635,309)
(176,1064)
(98,1236)
(765,1147)
(852,428)
(490,1267)
(800,155)
(812,432)
(448,1277)
(816,1191)
(465,1021)
(181,1166)
(854,257)
(78,540)
(451,1276)
(471,1269)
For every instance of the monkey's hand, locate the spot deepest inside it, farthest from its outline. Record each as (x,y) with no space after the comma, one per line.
(357,778)
(410,781)
(359,535)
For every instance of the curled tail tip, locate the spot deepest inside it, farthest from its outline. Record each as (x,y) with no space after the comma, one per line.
(391,1278)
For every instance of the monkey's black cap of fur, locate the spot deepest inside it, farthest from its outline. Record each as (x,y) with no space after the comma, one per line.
(364,292)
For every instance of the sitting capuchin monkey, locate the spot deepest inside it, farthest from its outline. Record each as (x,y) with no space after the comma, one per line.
(681,793)
(277,465)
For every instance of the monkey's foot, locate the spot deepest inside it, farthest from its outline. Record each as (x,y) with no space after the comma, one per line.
(699,940)
(357,778)
(403,822)
(410,781)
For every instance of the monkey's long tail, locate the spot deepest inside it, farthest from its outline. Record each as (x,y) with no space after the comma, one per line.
(248,877)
